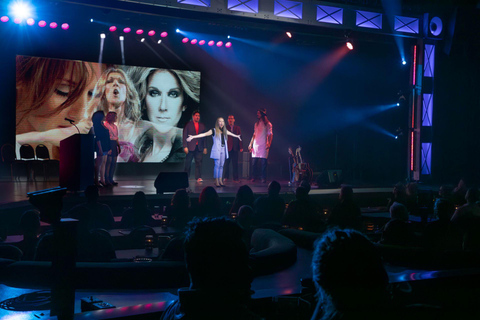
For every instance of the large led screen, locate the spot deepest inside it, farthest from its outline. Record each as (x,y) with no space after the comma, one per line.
(152,105)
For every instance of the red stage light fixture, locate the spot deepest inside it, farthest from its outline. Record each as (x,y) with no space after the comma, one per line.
(127,30)
(4,19)
(112,28)
(30,21)
(289,34)
(42,23)
(349,45)
(211,43)
(194,41)
(53,25)
(201,42)
(163,34)
(151,33)
(228,44)
(219,43)
(185,40)
(17,20)
(139,31)
(65,26)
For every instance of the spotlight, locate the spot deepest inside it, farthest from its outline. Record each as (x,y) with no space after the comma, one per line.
(211,43)
(404,62)
(112,29)
(30,21)
(65,26)
(228,44)
(142,40)
(177,31)
(185,40)
(396,137)
(139,31)
(163,34)
(159,41)
(4,19)
(17,20)
(194,41)
(289,34)
(127,30)
(398,104)
(228,37)
(91,20)
(219,43)
(42,23)
(201,42)
(121,38)
(102,36)
(53,25)
(349,45)
(151,33)
(21,10)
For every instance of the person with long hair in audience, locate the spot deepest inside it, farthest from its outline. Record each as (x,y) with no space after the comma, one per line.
(48,91)
(165,95)
(219,149)
(138,214)
(244,197)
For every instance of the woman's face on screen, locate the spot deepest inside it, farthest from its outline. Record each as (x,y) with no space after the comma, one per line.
(164,100)
(115,89)
(42,119)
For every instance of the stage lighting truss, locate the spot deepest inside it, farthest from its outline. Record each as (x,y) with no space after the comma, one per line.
(30,22)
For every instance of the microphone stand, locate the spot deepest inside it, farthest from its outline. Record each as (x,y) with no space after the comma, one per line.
(72,122)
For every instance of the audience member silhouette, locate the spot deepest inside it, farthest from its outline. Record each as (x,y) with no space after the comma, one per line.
(399,195)
(350,278)
(179,212)
(411,198)
(302,212)
(444,194)
(467,219)
(398,231)
(30,226)
(220,277)
(209,203)
(244,197)
(246,219)
(99,215)
(270,209)
(139,214)
(346,214)
(459,192)
(441,234)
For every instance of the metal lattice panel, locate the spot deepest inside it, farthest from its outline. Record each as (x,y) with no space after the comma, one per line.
(429,61)
(331,15)
(406,24)
(366,19)
(200,3)
(427,110)
(250,6)
(426,158)
(288,9)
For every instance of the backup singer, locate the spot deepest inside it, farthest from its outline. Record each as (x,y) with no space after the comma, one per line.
(260,145)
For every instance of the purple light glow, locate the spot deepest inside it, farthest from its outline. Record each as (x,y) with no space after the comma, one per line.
(185,40)
(112,28)
(30,21)
(53,25)
(4,19)
(127,30)
(219,43)
(139,31)
(228,44)
(42,24)
(65,26)
(151,33)
(17,20)
(211,43)
(163,34)
(201,42)
(194,41)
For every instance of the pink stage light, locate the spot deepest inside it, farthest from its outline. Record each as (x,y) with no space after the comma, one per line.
(65,26)
(139,31)
(201,42)
(185,40)
(219,43)
(53,25)
(228,44)
(30,21)
(127,30)
(163,34)
(194,41)
(211,43)
(151,33)
(112,28)
(17,20)
(42,23)
(4,19)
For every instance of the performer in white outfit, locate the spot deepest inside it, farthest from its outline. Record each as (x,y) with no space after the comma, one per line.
(260,145)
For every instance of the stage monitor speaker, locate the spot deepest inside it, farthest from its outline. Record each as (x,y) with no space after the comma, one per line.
(433,26)
(171,181)
(329,179)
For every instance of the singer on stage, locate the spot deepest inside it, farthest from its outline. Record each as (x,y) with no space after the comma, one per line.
(260,145)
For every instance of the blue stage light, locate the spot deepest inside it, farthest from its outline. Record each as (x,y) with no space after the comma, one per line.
(398,104)
(21,10)
(396,137)
(177,31)
(404,62)
(228,37)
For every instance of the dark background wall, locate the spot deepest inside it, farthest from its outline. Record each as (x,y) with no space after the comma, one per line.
(317,94)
